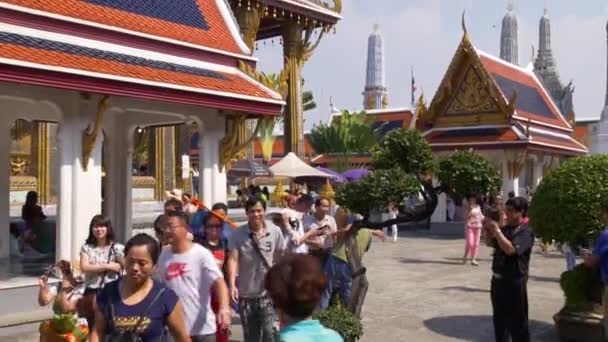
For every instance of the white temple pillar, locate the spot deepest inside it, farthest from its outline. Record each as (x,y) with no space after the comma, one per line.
(205,152)
(509,182)
(219,172)
(79,190)
(440,213)
(119,182)
(538,172)
(5,172)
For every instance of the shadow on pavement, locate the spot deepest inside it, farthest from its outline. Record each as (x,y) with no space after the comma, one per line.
(418,261)
(465,289)
(544,279)
(481,328)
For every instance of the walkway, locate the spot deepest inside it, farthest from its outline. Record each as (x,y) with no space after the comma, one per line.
(420,291)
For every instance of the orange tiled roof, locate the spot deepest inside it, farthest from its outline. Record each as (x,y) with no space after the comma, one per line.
(198,22)
(278,149)
(533,101)
(78,59)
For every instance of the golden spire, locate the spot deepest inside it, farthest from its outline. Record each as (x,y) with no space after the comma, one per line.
(510,5)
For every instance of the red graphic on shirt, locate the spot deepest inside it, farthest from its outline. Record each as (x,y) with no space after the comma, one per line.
(176,270)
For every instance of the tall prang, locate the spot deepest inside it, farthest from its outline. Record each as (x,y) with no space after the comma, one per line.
(509,37)
(546,69)
(599,134)
(375,94)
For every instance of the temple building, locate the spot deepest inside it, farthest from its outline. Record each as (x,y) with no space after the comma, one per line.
(375,93)
(509,37)
(599,129)
(546,70)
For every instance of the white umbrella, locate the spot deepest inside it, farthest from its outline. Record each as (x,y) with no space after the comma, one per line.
(293,167)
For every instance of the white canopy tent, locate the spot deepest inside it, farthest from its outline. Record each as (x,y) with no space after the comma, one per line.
(293,167)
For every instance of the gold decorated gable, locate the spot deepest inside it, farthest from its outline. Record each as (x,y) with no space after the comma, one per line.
(472,96)
(467,95)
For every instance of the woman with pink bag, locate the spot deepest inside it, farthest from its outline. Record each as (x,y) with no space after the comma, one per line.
(472,230)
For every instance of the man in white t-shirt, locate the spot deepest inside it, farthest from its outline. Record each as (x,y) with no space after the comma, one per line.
(191,271)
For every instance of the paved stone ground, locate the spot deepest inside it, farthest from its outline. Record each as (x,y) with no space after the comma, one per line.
(420,291)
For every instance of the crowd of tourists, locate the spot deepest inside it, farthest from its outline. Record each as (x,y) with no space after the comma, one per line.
(200,269)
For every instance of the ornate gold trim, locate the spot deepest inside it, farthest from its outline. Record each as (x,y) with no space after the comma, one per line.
(464,62)
(23,183)
(89,136)
(230,146)
(143,182)
(159,162)
(278,84)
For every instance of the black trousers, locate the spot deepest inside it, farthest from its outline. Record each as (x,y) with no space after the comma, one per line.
(510,304)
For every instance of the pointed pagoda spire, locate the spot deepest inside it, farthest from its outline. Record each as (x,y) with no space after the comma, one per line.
(509,39)
(545,66)
(375,94)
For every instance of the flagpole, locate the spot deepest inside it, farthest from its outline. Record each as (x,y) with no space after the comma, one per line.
(412,85)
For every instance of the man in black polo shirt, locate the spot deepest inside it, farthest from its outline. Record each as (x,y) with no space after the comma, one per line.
(510,266)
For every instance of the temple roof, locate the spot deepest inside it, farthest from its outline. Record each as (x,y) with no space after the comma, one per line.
(72,62)
(487,103)
(204,24)
(533,101)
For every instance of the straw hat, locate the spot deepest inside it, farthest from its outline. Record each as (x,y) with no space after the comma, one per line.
(175,193)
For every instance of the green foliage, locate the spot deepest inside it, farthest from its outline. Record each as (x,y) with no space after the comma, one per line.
(349,135)
(339,319)
(376,190)
(566,204)
(583,289)
(467,172)
(308,102)
(142,143)
(406,149)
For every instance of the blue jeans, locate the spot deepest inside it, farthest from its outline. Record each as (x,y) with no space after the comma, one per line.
(340,281)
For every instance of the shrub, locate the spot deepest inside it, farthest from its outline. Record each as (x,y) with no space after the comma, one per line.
(583,289)
(566,204)
(467,172)
(339,319)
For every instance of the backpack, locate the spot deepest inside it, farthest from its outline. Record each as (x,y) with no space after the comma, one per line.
(130,335)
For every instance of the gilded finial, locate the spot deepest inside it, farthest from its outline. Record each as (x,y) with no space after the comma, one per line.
(464,26)
(546,10)
(533,57)
(376,26)
(510,5)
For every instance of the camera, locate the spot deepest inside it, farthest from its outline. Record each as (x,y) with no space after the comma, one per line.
(294,223)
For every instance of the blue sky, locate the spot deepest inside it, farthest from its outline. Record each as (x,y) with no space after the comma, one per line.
(425,34)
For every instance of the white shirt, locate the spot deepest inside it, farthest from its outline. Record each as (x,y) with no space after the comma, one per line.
(310,222)
(191,275)
(298,232)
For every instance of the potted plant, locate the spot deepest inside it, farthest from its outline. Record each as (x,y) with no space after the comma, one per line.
(565,208)
(341,320)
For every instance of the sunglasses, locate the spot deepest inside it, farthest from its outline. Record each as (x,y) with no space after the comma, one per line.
(213,226)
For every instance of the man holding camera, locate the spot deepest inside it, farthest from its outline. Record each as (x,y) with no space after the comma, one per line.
(322,229)
(510,266)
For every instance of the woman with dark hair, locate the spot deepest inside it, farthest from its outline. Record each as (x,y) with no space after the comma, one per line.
(31,209)
(472,229)
(295,285)
(216,244)
(137,307)
(101,259)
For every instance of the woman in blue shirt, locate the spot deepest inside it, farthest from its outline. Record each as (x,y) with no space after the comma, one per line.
(295,285)
(137,304)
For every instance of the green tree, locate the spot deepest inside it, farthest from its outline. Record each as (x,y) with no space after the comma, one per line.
(566,208)
(566,204)
(350,134)
(308,101)
(403,166)
(467,172)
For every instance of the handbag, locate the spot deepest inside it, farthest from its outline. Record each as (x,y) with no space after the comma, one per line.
(131,334)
